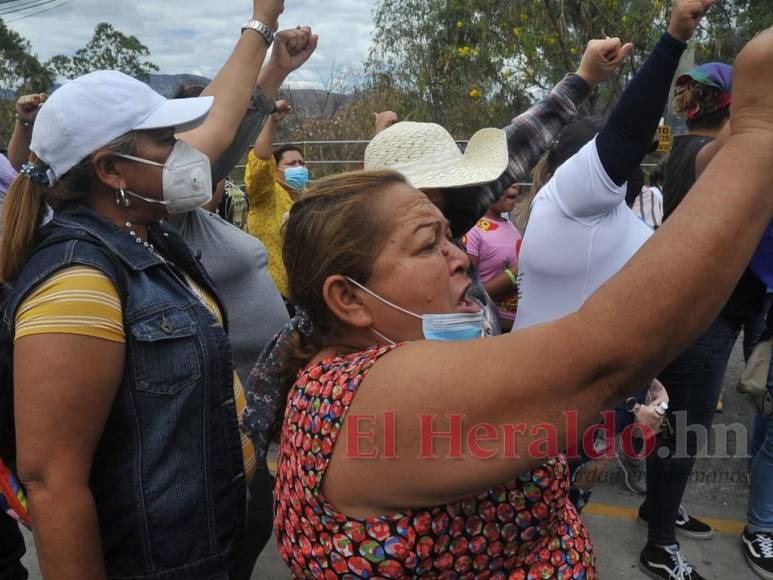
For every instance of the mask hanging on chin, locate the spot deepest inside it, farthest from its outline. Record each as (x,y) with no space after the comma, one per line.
(445,327)
(297,177)
(187,179)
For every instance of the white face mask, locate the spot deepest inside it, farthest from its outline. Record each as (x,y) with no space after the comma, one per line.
(446,327)
(187,179)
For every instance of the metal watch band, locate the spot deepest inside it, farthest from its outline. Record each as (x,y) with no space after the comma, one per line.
(261,29)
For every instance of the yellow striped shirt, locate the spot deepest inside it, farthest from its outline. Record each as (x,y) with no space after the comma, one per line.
(82,300)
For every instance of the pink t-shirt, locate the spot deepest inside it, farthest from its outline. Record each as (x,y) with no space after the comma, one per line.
(496,243)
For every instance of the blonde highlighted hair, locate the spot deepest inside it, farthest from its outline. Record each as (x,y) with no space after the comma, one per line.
(26,201)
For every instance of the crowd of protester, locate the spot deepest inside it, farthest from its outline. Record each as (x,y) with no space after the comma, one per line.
(163,328)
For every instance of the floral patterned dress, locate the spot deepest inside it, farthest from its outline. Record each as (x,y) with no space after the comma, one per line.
(526,529)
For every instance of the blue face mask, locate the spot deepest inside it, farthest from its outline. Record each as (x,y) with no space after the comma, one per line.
(446,327)
(297,177)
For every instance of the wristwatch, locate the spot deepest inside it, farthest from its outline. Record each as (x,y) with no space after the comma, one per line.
(261,103)
(261,29)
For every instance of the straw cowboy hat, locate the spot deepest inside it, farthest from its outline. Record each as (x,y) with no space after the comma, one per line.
(427,155)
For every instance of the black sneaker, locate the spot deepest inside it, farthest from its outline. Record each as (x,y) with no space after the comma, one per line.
(667,563)
(759,552)
(686,526)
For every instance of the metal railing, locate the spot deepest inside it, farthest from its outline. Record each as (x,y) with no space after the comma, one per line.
(348,163)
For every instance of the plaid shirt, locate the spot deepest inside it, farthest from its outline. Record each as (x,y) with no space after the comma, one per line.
(529,136)
(7,175)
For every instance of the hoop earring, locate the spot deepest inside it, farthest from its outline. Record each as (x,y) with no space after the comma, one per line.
(122,200)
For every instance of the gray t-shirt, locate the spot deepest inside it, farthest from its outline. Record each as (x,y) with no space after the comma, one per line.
(238,264)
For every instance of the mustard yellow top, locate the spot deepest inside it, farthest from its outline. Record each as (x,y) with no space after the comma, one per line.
(269,205)
(82,300)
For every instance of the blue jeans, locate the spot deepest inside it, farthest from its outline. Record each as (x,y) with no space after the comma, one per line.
(693,382)
(760,510)
(259,525)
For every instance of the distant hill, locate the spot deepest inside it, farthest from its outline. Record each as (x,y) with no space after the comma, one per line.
(314,102)
(167,85)
(306,102)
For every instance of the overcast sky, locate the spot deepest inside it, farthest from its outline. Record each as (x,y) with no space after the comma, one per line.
(196,36)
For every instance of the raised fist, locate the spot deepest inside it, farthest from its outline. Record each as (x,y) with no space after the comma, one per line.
(602,58)
(292,48)
(283,109)
(385,120)
(685,17)
(27,107)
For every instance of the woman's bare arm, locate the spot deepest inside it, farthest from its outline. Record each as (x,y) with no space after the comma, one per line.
(64,387)
(583,363)
(233,85)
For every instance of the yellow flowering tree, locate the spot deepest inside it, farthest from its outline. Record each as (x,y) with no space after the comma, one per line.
(471,63)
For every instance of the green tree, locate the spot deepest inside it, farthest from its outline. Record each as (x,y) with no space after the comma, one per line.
(730,25)
(19,66)
(108,49)
(470,63)
(20,73)
(445,54)
(470,58)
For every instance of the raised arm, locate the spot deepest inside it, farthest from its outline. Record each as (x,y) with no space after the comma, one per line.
(286,57)
(27,108)
(531,133)
(233,85)
(587,361)
(627,136)
(264,145)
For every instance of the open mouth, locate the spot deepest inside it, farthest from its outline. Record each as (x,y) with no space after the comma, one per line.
(466,303)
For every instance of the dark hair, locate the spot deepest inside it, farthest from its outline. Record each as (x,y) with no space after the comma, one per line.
(569,142)
(280,151)
(657,175)
(320,241)
(186,91)
(709,121)
(572,139)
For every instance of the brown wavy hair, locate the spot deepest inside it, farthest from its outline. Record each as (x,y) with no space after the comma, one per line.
(705,99)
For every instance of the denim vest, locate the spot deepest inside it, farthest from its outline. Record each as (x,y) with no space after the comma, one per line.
(168,474)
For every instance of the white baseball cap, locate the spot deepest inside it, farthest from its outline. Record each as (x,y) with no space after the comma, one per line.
(428,156)
(95,109)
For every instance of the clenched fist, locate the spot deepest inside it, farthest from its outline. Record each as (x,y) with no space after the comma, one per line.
(602,58)
(685,17)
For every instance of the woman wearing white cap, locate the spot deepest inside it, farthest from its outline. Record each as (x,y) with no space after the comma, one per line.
(124,391)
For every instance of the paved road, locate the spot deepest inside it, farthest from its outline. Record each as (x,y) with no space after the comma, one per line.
(720,497)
